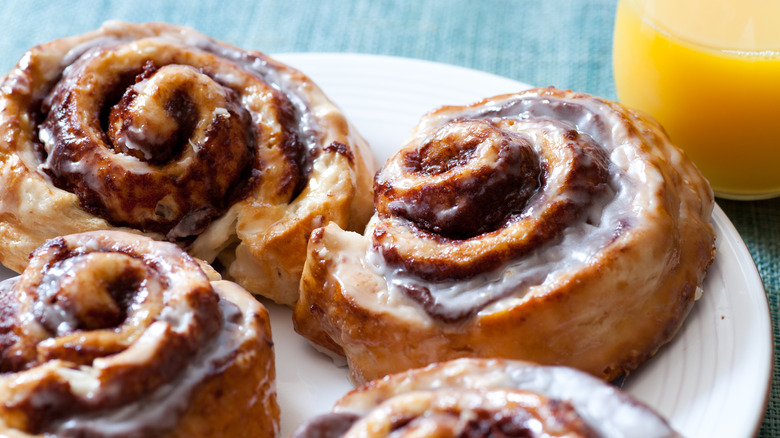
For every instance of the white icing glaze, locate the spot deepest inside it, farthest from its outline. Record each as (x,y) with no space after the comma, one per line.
(606,409)
(41,210)
(632,181)
(244,65)
(597,285)
(356,266)
(91,255)
(159,410)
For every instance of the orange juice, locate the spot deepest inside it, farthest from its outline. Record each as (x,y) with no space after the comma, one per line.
(709,72)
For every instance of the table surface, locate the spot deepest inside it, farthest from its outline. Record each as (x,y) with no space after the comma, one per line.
(563,43)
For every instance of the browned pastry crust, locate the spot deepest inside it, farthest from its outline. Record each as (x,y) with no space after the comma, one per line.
(547,225)
(488,397)
(159,129)
(111,334)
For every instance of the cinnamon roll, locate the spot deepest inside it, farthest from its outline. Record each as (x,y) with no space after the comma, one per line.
(159,129)
(111,334)
(488,397)
(547,225)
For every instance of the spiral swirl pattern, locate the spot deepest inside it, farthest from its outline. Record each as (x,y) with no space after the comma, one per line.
(481,397)
(109,334)
(486,198)
(546,225)
(160,129)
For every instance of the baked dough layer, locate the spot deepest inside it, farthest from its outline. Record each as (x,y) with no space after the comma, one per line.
(108,333)
(480,397)
(158,129)
(595,267)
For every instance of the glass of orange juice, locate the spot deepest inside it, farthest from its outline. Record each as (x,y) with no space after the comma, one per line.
(709,72)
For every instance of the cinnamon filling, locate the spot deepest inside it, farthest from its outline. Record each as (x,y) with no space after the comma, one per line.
(165,138)
(112,318)
(461,204)
(155,124)
(471,178)
(559,418)
(331,425)
(455,412)
(483,191)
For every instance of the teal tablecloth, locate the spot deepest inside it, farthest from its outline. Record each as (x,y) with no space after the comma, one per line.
(565,43)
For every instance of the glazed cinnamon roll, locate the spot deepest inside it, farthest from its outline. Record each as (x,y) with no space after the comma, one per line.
(547,225)
(110,334)
(488,397)
(160,129)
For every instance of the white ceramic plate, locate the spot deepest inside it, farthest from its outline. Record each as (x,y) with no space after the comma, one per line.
(712,380)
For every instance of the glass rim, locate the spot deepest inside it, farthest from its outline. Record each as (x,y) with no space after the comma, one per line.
(758,53)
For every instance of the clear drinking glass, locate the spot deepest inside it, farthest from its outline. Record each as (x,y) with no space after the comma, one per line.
(709,72)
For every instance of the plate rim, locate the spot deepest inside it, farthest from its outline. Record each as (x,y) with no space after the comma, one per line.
(748,264)
(748,269)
